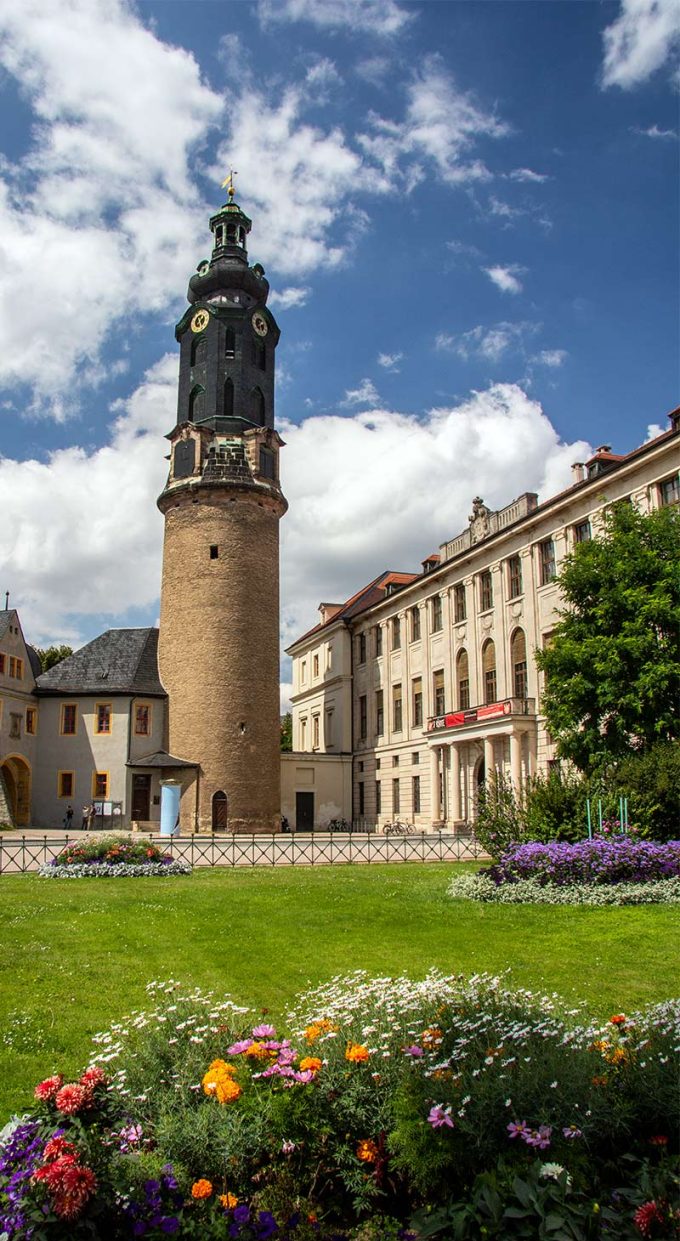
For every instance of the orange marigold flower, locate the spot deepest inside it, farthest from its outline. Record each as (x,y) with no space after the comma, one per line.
(432,1035)
(257,1051)
(221,1066)
(227,1091)
(310,1062)
(201,1189)
(228,1201)
(356,1053)
(367,1151)
(322,1026)
(616,1055)
(617,1020)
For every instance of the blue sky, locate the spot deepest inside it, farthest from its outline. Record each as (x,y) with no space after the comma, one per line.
(468,216)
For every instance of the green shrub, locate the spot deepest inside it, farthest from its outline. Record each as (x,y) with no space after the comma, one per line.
(651,781)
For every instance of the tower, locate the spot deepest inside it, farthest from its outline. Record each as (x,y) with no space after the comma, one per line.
(219,623)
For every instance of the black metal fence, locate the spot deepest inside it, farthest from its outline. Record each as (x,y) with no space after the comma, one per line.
(27,853)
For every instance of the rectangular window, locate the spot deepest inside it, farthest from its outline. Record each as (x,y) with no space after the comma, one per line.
(395,796)
(514,577)
(546,552)
(379,713)
(490,685)
(378,640)
(363,718)
(315,732)
(415,758)
(395,760)
(100,785)
(142,720)
(463,694)
(396,633)
(328,733)
(31,721)
(416,794)
(2,664)
(485,591)
(303,671)
(68,719)
(436,613)
(315,665)
(303,734)
(102,718)
(378,798)
(438,692)
(65,784)
(361,647)
(520,679)
(396,708)
(582,532)
(417,699)
(329,657)
(362,807)
(14,725)
(669,490)
(459,608)
(415,624)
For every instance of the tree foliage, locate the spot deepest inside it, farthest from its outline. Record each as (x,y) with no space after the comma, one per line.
(52,655)
(286,732)
(613,665)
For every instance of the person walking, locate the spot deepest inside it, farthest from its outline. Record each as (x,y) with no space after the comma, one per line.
(68,817)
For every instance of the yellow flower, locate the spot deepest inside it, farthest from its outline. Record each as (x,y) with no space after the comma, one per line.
(356,1053)
(310,1062)
(201,1189)
(367,1151)
(258,1051)
(322,1026)
(228,1201)
(227,1091)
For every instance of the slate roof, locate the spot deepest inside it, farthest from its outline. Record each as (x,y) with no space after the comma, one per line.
(367,597)
(5,617)
(161,759)
(120,661)
(34,658)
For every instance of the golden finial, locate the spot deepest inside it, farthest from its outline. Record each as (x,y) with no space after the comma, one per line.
(228,183)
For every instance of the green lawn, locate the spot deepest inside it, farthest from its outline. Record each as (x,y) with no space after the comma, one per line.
(76,954)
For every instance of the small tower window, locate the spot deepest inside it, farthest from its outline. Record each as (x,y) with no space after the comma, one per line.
(196,404)
(219,235)
(230,343)
(242,236)
(231,234)
(214,552)
(257,407)
(228,398)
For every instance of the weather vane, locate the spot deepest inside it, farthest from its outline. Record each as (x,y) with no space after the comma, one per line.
(228,183)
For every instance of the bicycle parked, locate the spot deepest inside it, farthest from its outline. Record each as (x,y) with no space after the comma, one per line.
(339,825)
(399,828)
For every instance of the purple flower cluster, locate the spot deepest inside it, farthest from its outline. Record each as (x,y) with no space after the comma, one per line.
(250,1225)
(540,1138)
(161,1208)
(611,860)
(20,1156)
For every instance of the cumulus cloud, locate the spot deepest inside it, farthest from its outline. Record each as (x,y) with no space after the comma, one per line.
(644,37)
(289,298)
(489,343)
(506,278)
(365,394)
(376,17)
(80,534)
(527,174)
(104,190)
(653,131)
(551,357)
(389,361)
(382,489)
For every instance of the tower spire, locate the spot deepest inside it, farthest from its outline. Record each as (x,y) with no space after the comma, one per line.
(228,184)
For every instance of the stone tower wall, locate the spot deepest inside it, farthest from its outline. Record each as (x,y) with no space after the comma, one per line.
(219,650)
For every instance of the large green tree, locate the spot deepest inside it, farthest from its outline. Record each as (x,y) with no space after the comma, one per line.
(613,664)
(52,655)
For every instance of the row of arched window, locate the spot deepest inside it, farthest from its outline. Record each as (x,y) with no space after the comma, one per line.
(256,404)
(518,672)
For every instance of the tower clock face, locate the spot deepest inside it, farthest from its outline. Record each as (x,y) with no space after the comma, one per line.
(260,325)
(200,321)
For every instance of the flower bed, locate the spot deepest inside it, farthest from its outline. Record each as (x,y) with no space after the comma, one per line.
(603,871)
(112,857)
(447,1108)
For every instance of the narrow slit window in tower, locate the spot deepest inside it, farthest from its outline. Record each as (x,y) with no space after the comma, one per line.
(214,552)
(230,343)
(257,407)
(196,404)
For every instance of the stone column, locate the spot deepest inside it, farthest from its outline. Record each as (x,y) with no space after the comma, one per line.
(516,759)
(489,762)
(456,812)
(435,806)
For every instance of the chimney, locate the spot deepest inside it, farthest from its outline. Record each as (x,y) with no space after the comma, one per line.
(577,472)
(603,448)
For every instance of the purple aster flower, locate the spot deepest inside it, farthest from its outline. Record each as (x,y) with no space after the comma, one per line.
(237,1049)
(540,1138)
(517,1130)
(572,1131)
(170,1224)
(242,1214)
(264,1031)
(414,1051)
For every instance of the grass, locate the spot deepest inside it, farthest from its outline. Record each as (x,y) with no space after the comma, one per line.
(76,954)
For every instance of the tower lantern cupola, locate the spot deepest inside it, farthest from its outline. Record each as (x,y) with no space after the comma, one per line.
(230,227)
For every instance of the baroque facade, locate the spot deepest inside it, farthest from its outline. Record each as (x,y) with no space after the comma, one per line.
(424,683)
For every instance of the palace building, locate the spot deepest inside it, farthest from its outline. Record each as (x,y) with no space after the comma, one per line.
(408,694)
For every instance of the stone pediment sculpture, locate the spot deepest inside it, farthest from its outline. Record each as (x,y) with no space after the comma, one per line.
(479,520)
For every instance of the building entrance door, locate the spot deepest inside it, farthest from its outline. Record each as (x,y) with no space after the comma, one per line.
(304,812)
(219,812)
(17,783)
(141,797)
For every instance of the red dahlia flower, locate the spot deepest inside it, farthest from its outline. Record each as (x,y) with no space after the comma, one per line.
(47,1090)
(71,1098)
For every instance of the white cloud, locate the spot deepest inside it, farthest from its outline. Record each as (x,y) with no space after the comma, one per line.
(365,394)
(373,69)
(653,429)
(653,131)
(376,17)
(527,174)
(497,207)
(644,36)
(382,489)
(80,533)
(389,361)
(440,126)
(289,298)
(104,191)
(488,343)
(321,76)
(506,278)
(551,357)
